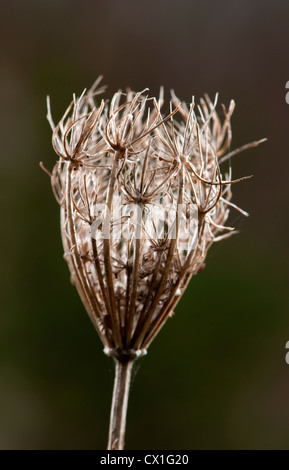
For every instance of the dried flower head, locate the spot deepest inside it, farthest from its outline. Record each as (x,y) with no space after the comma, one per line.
(129,181)
(142,199)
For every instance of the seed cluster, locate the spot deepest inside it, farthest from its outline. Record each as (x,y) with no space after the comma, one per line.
(129,180)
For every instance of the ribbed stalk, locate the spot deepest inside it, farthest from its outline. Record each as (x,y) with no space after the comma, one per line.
(119,404)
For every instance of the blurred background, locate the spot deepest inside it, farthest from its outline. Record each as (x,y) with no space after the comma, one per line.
(216,376)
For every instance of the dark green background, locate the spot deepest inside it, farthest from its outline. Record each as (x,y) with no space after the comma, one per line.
(216,376)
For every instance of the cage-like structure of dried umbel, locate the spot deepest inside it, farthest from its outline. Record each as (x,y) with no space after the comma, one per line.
(142,199)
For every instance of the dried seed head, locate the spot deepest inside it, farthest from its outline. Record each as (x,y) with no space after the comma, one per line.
(142,199)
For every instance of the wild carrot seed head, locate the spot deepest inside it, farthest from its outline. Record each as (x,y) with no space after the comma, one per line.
(142,199)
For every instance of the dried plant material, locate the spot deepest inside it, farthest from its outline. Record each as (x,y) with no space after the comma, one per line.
(142,198)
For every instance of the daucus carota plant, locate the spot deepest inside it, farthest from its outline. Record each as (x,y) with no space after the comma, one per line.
(142,198)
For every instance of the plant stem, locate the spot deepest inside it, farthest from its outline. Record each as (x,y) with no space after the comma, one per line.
(117,424)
